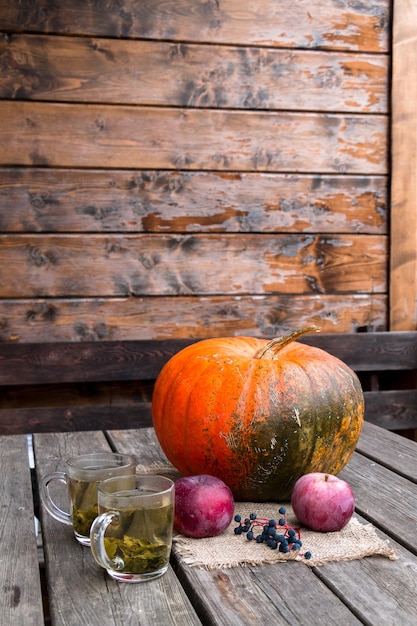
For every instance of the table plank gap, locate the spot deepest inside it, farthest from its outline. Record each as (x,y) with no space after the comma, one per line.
(384,498)
(21,597)
(398,603)
(389,449)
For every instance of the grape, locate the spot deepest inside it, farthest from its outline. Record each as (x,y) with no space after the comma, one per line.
(286,540)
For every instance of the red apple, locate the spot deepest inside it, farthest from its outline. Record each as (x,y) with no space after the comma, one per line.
(322,502)
(204,506)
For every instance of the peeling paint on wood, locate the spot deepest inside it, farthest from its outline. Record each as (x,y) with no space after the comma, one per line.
(62,266)
(75,69)
(145,137)
(306,23)
(99,319)
(46,200)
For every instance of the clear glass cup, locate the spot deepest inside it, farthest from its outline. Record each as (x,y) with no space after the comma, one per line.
(132,536)
(82,476)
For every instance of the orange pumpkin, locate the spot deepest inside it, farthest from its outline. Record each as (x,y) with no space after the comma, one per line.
(257,414)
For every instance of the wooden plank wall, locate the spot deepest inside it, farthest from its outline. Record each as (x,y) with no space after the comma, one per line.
(190,168)
(403,223)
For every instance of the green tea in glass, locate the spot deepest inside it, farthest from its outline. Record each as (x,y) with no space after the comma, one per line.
(82,476)
(132,536)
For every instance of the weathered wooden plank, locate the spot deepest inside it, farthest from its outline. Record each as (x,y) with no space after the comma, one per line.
(98,319)
(162,602)
(74,418)
(41,394)
(136,265)
(21,596)
(214,139)
(174,317)
(397,602)
(38,200)
(403,254)
(266,595)
(75,69)
(306,24)
(389,449)
(384,498)
(394,410)
(369,352)
(86,362)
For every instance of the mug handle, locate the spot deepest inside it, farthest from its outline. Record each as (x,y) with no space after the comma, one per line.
(51,507)
(97,531)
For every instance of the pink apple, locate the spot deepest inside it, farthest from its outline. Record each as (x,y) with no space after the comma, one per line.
(322,502)
(204,506)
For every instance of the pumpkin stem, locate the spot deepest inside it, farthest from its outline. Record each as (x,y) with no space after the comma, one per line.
(275,345)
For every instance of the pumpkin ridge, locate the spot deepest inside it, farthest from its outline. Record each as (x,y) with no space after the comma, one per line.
(165,425)
(245,457)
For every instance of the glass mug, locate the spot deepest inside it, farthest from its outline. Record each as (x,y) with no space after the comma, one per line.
(132,536)
(82,475)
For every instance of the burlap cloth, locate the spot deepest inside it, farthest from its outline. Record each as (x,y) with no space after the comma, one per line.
(354,541)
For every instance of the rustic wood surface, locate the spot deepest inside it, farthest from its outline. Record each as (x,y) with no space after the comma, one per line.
(188,118)
(385,595)
(143,265)
(403,257)
(123,136)
(21,597)
(365,598)
(96,319)
(373,601)
(398,454)
(389,449)
(305,24)
(385,498)
(394,410)
(166,73)
(82,417)
(95,598)
(50,200)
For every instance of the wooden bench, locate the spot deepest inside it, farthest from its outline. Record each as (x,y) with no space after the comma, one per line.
(53,387)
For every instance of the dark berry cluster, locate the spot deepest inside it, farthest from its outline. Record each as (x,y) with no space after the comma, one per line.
(278,536)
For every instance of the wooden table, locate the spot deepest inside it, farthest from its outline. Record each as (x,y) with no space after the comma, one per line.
(373,591)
